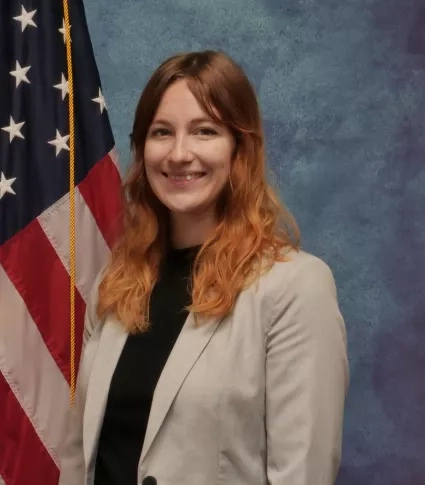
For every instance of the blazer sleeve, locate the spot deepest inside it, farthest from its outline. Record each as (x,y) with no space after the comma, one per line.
(72,466)
(306,379)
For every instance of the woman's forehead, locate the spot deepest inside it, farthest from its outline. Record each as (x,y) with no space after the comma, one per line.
(179,104)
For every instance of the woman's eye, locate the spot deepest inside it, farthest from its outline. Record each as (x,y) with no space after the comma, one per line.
(160,132)
(206,131)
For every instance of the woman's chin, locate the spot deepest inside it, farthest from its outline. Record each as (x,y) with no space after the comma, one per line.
(184,205)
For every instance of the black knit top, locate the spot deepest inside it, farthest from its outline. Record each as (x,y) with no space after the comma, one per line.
(138,370)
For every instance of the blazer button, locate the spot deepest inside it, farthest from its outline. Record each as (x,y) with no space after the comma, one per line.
(149,481)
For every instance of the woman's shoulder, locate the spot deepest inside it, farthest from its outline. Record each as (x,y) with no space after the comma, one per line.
(299,273)
(299,291)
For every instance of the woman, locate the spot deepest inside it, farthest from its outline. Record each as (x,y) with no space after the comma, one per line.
(214,349)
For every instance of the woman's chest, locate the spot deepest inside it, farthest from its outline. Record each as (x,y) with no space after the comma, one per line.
(229,375)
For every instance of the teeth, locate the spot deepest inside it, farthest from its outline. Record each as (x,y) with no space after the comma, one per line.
(181,177)
(187,177)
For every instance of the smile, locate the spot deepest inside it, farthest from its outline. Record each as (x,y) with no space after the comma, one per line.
(185,177)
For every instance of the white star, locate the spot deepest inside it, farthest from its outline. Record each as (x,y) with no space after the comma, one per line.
(6,185)
(60,142)
(63,86)
(14,129)
(20,73)
(62,30)
(26,18)
(101,100)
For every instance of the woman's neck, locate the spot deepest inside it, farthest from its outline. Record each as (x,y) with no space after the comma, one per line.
(189,230)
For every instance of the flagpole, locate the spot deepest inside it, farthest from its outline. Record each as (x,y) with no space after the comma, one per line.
(71,198)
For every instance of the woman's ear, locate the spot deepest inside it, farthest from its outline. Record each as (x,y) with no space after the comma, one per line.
(238,139)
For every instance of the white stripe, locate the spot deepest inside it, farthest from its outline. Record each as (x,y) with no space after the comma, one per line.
(114,157)
(91,250)
(2,481)
(30,370)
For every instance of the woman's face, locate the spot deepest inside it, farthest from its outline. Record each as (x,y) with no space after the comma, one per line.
(187,155)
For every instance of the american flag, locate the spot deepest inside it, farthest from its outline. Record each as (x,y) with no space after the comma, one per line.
(34,224)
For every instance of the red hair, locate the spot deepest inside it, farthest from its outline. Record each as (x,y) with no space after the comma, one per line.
(254,229)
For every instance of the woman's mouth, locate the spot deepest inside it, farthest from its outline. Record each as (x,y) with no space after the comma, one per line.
(184,177)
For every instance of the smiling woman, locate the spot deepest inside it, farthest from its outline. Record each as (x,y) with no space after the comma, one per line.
(198,114)
(214,349)
(187,159)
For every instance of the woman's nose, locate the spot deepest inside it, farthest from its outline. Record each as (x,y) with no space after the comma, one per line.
(180,151)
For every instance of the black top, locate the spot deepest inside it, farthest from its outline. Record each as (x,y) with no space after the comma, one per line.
(137,373)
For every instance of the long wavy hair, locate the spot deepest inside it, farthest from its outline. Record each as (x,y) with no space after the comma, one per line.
(254,229)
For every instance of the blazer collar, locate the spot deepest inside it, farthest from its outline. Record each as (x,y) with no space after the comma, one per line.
(112,340)
(186,351)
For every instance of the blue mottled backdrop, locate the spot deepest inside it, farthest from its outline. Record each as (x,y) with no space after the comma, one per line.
(342,91)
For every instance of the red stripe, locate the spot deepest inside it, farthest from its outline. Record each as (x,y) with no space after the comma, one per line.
(23,457)
(41,279)
(101,190)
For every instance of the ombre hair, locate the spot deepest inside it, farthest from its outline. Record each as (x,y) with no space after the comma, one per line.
(254,229)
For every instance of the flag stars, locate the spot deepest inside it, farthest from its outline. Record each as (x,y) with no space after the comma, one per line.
(6,185)
(101,100)
(20,73)
(63,86)
(62,30)
(26,18)
(14,129)
(60,142)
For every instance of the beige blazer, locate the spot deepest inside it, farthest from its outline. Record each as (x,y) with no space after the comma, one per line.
(255,398)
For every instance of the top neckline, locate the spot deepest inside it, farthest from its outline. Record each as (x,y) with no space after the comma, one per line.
(183,254)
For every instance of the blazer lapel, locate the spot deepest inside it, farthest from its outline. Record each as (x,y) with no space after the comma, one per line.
(112,340)
(186,351)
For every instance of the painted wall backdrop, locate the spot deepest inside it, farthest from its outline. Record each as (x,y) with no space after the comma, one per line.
(341,86)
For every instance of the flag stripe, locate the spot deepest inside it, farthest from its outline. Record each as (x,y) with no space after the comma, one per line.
(91,250)
(99,190)
(30,370)
(113,154)
(44,285)
(23,452)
